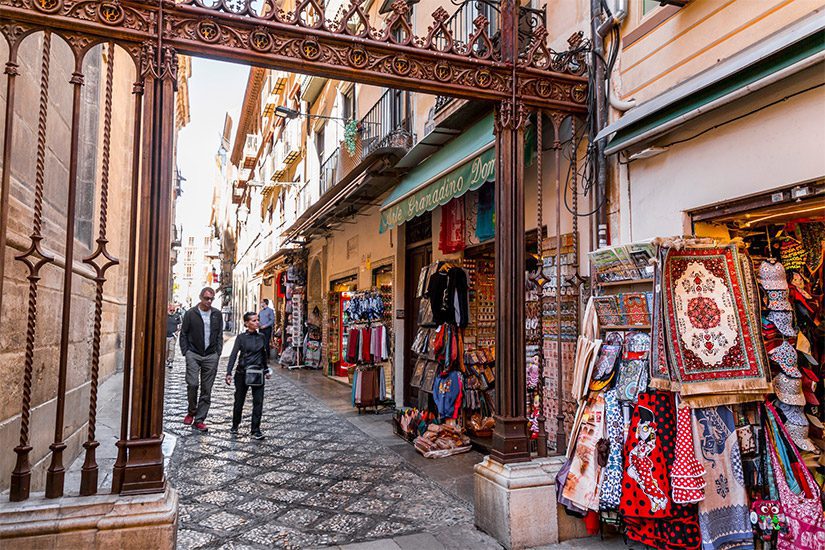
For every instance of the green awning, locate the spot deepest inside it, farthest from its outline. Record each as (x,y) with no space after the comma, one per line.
(462,165)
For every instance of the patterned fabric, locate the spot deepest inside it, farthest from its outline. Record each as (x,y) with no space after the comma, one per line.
(772,276)
(783,321)
(687,473)
(803,512)
(813,235)
(784,355)
(778,300)
(713,335)
(632,379)
(650,450)
(660,372)
(606,361)
(582,485)
(611,483)
(724,514)
(451,237)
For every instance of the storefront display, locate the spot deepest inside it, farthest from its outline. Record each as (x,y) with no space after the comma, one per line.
(699,391)
(366,346)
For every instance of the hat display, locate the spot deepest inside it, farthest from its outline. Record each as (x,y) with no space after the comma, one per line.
(772,276)
(799,435)
(784,355)
(789,390)
(794,414)
(783,321)
(778,300)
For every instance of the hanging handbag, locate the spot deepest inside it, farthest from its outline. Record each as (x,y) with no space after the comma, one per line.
(803,513)
(254,376)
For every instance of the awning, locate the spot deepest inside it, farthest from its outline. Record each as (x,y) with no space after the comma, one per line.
(462,165)
(793,48)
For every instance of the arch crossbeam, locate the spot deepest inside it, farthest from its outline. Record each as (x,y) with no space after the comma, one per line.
(346,47)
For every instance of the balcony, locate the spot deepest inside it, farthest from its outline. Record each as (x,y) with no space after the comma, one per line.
(462,25)
(250,150)
(329,170)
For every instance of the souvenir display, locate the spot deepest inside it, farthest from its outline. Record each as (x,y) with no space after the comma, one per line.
(702,428)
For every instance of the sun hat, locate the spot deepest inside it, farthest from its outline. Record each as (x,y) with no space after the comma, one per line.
(794,414)
(784,355)
(783,321)
(778,300)
(799,435)
(789,390)
(772,276)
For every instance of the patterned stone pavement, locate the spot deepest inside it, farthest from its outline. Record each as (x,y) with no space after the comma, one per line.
(315,481)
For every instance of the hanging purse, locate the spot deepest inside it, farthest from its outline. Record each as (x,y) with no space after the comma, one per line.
(254,376)
(803,512)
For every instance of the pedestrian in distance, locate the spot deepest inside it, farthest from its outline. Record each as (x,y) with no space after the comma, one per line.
(172,327)
(201,342)
(267,320)
(250,351)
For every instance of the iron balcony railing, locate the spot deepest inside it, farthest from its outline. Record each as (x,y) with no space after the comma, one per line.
(329,170)
(387,123)
(462,26)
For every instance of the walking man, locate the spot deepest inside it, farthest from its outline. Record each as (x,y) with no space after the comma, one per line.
(201,342)
(172,326)
(267,320)
(250,350)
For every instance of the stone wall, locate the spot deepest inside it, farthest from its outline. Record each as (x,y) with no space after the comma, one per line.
(13,317)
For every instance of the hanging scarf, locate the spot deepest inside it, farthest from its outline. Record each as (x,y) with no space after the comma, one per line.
(611,483)
(451,237)
(723,515)
(486,225)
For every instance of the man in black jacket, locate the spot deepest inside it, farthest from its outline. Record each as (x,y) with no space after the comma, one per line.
(201,342)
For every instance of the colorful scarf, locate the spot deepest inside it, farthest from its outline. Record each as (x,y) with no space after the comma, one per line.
(723,515)
(611,484)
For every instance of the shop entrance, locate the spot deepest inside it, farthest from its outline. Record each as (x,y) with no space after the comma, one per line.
(417,259)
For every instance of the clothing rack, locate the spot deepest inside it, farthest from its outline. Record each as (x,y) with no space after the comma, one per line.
(368,371)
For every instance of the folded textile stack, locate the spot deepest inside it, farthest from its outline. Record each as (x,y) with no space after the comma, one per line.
(441,440)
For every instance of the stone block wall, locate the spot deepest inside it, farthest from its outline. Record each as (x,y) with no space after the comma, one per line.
(15,286)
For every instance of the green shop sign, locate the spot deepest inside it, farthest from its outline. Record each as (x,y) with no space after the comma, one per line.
(469,176)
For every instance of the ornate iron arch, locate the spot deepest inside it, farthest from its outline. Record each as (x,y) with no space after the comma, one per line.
(345,46)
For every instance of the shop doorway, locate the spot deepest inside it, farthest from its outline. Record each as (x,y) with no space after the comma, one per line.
(417,259)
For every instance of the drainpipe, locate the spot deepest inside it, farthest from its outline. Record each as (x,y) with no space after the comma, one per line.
(599,30)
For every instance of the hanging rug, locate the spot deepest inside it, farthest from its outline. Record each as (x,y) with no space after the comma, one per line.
(713,338)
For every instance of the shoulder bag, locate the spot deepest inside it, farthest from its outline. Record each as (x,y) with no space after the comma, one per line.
(254,376)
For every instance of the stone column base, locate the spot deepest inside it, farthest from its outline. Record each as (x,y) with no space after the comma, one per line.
(102,521)
(516,503)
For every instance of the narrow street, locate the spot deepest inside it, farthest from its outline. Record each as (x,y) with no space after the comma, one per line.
(316,480)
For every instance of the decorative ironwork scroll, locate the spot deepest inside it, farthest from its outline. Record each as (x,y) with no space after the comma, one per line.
(346,45)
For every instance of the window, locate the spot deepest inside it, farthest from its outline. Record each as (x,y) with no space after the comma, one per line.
(191,241)
(649,5)
(319,143)
(349,104)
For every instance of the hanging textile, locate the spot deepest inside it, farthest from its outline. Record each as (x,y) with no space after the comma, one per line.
(486,224)
(712,331)
(451,237)
(723,514)
(582,485)
(687,477)
(650,516)
(611,482)
(802,509)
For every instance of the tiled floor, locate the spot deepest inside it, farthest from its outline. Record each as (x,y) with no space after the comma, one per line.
(316,480)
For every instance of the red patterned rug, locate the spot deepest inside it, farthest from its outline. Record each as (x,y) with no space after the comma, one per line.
(712,325)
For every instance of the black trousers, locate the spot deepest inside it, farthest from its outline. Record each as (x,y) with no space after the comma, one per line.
(240,398)
(267,332)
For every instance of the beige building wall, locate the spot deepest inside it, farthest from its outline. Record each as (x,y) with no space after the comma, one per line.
(694,38)
(50,291)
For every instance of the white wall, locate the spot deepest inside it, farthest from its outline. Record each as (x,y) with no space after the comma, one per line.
(778,146)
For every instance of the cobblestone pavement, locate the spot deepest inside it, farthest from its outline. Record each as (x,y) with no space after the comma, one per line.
(315,481)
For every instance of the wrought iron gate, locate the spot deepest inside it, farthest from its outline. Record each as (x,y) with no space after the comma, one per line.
(519,79)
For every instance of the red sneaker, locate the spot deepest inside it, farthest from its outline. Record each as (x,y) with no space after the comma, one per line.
(188,419)
(201,427)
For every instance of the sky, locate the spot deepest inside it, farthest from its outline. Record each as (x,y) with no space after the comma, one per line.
(215,88)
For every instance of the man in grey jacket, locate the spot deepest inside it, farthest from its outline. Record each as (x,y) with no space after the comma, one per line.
(201,342)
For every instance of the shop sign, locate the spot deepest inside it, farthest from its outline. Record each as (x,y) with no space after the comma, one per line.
(469,176)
